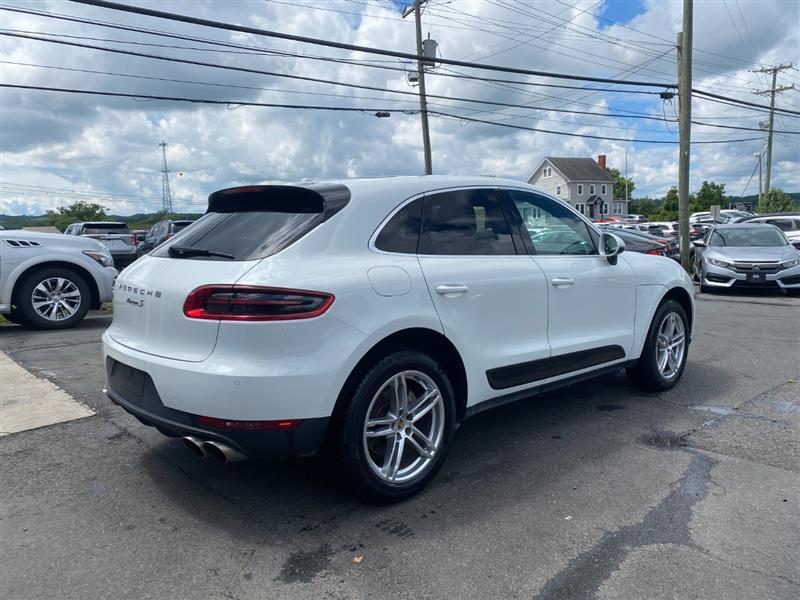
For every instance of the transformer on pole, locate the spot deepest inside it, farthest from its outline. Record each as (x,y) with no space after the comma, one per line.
(166,196)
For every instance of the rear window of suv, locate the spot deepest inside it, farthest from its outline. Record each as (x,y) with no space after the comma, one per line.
(255,222)
(242,235)
(101,228)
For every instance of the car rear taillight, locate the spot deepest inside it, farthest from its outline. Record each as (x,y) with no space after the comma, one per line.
(655,251)
(253,303)
(134,241)
(247,425)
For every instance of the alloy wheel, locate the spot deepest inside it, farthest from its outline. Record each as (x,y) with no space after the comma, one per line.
(404,427)
(671,346)
(56,299)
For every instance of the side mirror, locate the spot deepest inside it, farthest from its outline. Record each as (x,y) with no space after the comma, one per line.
(611,246)
(699,243)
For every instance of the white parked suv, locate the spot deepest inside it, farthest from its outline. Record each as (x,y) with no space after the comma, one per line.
(370,317)
(49,280)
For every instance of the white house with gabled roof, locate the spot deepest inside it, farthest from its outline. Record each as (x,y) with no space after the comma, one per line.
(581,182)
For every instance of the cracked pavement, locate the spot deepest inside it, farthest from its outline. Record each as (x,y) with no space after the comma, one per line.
(594,491)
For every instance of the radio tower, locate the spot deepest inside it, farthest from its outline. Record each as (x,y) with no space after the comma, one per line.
(166,196)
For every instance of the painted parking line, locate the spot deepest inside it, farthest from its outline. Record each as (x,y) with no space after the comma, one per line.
(28,402)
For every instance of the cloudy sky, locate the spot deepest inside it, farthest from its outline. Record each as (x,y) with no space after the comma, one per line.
(59,147)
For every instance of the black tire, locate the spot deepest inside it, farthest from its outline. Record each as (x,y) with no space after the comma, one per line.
(704,289)
(645,373)
(793,292)
(350,445)
(29,314)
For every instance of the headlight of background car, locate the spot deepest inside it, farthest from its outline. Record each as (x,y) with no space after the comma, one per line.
(718,263)
(103,259)
(791,263)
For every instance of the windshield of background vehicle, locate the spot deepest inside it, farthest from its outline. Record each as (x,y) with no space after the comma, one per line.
(748,236)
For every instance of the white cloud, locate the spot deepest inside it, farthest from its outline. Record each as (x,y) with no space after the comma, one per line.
(108,144)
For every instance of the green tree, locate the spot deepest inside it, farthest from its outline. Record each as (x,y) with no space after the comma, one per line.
(776,200)
(63,216)
(643,206)
(709,194)
(669,207)
(619,185)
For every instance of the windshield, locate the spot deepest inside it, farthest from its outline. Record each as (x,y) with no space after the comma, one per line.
(748,236)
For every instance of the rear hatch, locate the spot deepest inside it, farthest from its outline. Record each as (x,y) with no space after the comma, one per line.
(242,227)
(114,236)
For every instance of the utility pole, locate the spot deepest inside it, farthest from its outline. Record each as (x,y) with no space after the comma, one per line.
(627,209)
(758,155)
(423,102)
(685,123)
(166,196)
(771,92)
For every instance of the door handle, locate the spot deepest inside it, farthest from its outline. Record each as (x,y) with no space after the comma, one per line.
(451,288)
(562,281)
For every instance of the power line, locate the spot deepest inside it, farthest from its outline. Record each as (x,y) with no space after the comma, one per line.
(272,52)
(587,37)
(352,47)
(304,78)
(348,109)
(728,100)
(309,93)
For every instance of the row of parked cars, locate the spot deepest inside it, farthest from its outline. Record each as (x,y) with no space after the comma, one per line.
(51,281)
(125,245)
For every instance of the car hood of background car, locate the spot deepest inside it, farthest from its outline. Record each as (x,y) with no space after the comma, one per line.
(755,253)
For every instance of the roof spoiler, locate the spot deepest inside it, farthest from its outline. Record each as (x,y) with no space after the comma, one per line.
(327,199)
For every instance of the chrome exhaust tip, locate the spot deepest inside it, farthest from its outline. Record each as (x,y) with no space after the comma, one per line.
(222,452)
(195,445)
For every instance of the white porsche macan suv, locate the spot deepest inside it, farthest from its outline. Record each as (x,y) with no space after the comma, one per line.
(370,317)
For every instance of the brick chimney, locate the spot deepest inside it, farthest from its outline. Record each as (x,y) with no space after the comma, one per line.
(601,160)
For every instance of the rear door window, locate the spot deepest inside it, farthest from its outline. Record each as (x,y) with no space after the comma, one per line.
(465,222)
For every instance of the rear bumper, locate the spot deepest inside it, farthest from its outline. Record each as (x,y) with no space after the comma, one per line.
(303,440)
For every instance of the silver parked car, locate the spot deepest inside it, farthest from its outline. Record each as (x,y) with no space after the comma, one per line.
(115,236)
(787,222)
(747,255)
(50,280)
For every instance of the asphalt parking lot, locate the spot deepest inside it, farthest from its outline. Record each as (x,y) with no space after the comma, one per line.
(595,491)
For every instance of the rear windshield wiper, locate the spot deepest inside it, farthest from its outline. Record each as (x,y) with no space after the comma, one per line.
(189,251)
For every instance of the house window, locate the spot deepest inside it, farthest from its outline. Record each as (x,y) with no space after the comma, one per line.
(591,188)
(617,208)
(603,189)
(581,208)
(558,190)
(605,208)
(547,172)
(580,190)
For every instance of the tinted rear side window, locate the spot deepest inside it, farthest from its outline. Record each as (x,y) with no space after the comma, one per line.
(401,233)
(243,235)
(465,222)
